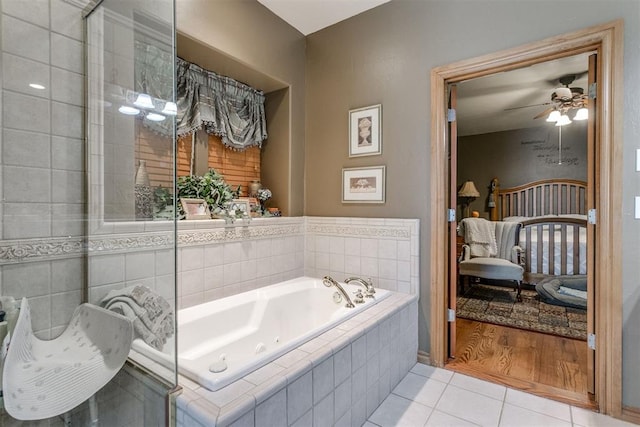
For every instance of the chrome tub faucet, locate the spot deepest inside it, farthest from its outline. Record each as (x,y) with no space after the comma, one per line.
(366,284)
(329,281)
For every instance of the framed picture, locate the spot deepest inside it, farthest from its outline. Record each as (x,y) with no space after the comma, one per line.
(239,207)
(365,131)
(254,205)
(363,185)
(195,208)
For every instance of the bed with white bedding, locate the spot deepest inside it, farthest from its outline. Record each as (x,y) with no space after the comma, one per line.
(554,245)
(553,235)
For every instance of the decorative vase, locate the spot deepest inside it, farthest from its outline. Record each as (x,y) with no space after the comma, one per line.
(143,193)
(254,186)
(142,177)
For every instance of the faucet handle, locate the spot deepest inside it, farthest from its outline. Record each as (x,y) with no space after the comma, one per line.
(370,289)
(358,297)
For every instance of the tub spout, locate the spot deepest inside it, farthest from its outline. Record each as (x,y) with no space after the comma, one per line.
(329,281)
(369,290)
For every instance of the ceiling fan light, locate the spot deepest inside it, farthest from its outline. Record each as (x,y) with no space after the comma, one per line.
(144,101)
(129,111)
(563,120)
(581,114)
(155,117)
(554,116)
(170,108)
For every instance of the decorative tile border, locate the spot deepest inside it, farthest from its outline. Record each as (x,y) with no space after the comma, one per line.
(201,237)
(360,231)
(32,250)
(45,249)
(26,250)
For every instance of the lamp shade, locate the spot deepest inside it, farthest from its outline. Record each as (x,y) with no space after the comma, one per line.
(468,190)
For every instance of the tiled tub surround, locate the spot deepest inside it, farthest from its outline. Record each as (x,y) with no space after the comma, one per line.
(338,378)
(216,260)
(387,250)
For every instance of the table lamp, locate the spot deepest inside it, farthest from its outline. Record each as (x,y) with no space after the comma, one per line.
(468,192)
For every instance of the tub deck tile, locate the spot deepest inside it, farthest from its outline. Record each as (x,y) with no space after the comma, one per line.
(226,394)
(268,388)
(203,412)
(349,324)
(321,355)
(265,373)
(235,410)
(332,334)
(297,370)
(343,341)
(313,345)
(289,359)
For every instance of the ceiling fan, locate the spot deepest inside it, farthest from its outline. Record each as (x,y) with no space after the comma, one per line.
(565,98)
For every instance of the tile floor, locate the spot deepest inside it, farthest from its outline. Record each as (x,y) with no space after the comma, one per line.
(430,396)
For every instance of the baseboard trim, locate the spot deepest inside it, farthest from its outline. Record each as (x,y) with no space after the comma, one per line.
(423,357)
(631,414)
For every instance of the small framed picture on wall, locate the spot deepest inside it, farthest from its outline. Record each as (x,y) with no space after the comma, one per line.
(363,185)
(365,131)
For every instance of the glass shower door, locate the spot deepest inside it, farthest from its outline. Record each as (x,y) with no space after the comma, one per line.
(131,227)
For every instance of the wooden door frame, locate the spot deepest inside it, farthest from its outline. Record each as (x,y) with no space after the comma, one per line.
(607,40)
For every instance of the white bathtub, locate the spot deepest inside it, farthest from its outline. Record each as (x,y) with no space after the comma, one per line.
(249,330)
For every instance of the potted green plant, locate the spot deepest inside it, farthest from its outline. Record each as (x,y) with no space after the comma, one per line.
(211,187)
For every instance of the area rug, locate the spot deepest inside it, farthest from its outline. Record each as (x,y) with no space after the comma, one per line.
(497,305)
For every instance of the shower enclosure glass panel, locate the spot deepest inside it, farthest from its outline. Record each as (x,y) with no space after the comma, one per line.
(130,126)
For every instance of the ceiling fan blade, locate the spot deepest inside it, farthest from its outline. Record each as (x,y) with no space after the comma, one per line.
(544,113)
(527,106)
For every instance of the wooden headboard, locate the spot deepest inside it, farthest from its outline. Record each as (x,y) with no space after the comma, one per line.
(545,197)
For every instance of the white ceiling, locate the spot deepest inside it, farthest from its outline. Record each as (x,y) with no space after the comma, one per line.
(512,99)
(309,16)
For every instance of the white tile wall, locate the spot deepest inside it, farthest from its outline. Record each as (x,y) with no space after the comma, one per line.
(37,201)
(211,270)
(384,250)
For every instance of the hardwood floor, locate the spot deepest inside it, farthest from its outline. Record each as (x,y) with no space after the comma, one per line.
(546,365)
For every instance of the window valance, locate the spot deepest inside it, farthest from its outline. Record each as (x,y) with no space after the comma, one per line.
(221,105)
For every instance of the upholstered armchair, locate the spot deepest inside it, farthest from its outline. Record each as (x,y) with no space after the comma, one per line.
(490,251)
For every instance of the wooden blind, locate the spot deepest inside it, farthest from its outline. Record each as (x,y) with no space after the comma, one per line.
(157,151)
(184,155)
(237,167)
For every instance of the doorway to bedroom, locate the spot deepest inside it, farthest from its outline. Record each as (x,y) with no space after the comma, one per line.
(517,165)
(603,180)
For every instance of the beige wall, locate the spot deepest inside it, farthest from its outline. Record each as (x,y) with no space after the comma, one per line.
(385,56)
(520,156)
(248,32)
